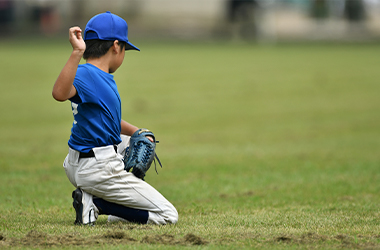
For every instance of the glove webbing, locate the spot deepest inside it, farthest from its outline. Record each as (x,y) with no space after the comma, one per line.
(154,159)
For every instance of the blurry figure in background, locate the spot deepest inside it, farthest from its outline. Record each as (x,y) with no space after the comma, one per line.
(319,9)
(47,15)
(320,12)
(6,16)
(354,10)
(241,15)
(354,13)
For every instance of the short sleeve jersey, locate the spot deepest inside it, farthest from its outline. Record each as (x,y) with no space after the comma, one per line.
(96,109)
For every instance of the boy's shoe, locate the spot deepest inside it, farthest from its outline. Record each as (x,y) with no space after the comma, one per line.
(85,209)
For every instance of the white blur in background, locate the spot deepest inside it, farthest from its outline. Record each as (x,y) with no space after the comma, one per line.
(237,20)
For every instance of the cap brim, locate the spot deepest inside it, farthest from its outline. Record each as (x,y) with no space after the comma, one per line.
(130,46)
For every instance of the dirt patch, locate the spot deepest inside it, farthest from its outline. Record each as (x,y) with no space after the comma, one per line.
(283,239)
(37,239)
(167,239)
(341,237)
(305,239)
(194,240)
(338,241)
(116,236)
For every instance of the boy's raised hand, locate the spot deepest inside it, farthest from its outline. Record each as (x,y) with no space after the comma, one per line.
(76,40)
(63,88)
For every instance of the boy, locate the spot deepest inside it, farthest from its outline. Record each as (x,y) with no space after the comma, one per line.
(99,136)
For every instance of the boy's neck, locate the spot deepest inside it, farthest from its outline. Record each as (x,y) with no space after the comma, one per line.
(102,63)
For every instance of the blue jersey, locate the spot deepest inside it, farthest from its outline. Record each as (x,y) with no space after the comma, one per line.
(96,109)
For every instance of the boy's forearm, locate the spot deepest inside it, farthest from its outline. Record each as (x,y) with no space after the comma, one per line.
(127,128)
(63,86)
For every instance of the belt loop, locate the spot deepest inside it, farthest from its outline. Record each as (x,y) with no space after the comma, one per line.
(73,155)
(92,154)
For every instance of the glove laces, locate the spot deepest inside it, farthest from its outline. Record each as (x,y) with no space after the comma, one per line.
(142,153)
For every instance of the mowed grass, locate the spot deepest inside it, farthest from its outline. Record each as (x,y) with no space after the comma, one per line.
(262,146)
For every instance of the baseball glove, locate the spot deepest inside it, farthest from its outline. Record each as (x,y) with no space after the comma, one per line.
(141,153)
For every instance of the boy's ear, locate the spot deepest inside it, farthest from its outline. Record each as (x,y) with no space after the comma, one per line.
(115,46)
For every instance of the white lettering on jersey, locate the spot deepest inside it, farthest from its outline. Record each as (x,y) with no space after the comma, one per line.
(75,110)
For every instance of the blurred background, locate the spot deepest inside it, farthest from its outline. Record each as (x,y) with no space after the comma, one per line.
(241,20)
(263,108)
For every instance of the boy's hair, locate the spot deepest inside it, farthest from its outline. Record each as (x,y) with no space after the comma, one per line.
(97,48)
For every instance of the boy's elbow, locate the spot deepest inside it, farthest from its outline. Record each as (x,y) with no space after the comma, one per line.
(58,97)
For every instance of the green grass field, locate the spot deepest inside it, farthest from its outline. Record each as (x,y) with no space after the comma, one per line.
(268,147)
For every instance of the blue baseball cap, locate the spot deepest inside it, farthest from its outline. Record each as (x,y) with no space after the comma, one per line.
(109,27)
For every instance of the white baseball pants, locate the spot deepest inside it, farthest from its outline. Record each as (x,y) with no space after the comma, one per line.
(104,176)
